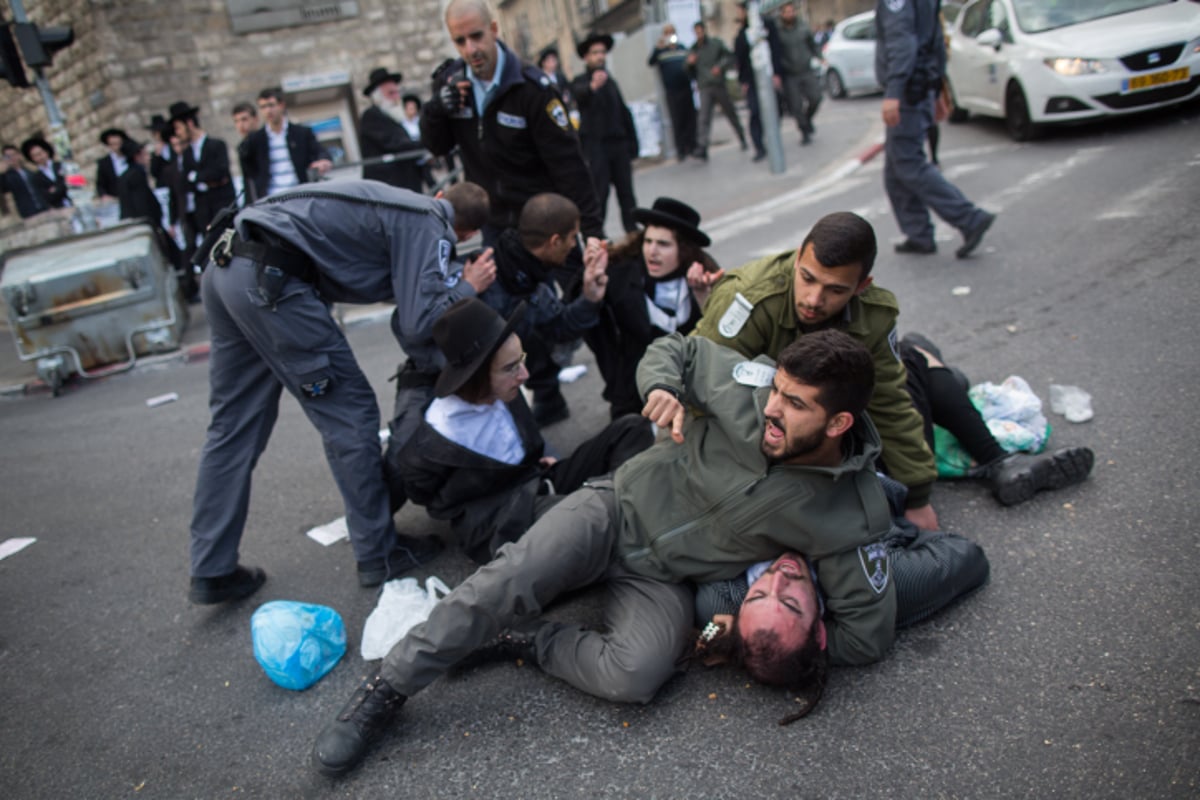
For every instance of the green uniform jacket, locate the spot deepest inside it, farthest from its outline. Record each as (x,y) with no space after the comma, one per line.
(709,508)
(712,53)
(870,318)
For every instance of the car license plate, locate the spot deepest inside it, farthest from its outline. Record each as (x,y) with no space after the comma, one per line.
(1155,79)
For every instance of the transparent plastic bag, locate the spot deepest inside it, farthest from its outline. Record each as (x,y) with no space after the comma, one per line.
(296,644)
(1013,414)
(402,604)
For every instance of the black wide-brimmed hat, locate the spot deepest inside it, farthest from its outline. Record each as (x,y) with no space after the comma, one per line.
(411,98)
(594,38)
(679,217)
(380,75)
(548,50)
(181,110)
(36,141)
(469,333)
(156,123)
(107,132)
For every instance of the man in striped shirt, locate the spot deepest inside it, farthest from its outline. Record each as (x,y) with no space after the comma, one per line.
(281,153)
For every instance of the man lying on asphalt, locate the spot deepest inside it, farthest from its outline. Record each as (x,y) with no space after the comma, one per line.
(773,460)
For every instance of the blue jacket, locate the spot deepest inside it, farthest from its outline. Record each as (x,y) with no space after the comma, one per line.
(910,53)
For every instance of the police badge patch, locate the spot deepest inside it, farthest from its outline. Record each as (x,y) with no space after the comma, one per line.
(873,558)
(751,373)
(557,113)
(444,256)
(894,342)
(895,6)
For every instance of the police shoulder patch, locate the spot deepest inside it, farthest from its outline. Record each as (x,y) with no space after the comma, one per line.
(894,342)
(895,6)
(444,248)
(558,113)
(734,318)
(753,373)
(874,561)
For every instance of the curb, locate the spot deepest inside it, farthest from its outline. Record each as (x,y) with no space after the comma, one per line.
(195,352)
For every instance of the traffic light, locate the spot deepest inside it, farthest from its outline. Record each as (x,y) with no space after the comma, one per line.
(39,45)
(11,68)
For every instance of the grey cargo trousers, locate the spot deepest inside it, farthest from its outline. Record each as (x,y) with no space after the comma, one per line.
(914,186)
(647,622)
(258,349)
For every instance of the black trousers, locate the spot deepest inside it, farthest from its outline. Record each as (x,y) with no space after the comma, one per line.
(940,395)
(610,164)
(683,120)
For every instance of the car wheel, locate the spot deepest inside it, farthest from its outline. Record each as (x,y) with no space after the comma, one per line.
(1016,115)
(834,84)
(957,112)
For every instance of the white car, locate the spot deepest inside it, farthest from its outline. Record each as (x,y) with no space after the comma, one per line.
(1034,62)
(850,56)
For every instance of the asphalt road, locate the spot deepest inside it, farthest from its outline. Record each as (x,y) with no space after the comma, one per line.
(1074,673)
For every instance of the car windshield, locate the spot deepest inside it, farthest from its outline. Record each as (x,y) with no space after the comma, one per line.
(1035,16)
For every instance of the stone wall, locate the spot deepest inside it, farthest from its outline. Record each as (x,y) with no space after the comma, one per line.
(133,58)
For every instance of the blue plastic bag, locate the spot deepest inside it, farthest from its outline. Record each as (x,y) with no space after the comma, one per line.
(297,643)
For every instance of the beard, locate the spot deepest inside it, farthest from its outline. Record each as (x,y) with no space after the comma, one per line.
(792,448)
(394,109)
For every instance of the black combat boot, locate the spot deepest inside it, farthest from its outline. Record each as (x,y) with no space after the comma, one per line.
(1019,476)
(510,645)
(344,742)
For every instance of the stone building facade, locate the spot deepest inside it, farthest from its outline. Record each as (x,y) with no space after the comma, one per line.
(133,58)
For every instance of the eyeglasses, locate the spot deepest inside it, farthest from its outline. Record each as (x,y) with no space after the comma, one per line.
(513,368)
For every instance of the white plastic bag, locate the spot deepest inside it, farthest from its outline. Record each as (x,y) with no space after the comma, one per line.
(402,604)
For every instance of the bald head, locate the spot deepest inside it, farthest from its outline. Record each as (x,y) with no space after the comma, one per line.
(461,8)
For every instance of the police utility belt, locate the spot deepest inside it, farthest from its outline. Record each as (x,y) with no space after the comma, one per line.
(270,251)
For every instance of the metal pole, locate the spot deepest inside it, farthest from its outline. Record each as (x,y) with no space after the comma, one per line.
(58,129)
(768,107)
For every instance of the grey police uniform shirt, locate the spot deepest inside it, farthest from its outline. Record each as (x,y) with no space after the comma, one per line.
(374,243)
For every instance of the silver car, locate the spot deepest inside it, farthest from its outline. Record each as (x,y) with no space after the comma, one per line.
(850,52)
(850,56)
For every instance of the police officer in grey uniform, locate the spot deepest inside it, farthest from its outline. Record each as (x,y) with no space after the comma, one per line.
(910,60)
(267,296)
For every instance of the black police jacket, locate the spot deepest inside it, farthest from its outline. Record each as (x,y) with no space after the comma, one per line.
(523,145)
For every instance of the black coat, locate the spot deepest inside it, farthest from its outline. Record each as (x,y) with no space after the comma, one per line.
(604,116)
(106,177)
(487,502)
(378,135)
(524,145)
(26,190)
(212,169)
(54,192)
(137,198)
(625,331)
(255,156)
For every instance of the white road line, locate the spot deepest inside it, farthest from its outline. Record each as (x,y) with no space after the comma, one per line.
(1053,172)
(1135,203)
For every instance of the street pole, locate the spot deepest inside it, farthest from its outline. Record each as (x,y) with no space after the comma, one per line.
(58,129)
(768,107)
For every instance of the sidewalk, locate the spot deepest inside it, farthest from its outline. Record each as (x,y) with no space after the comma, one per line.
(727,188)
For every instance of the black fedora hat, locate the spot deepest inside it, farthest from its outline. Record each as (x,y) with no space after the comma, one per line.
(410,97)
(678,216)
(107,132)
(548,50)
(380,75)
(156,123)
(593,38)
(468,334)
(181,110)
(36,141)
